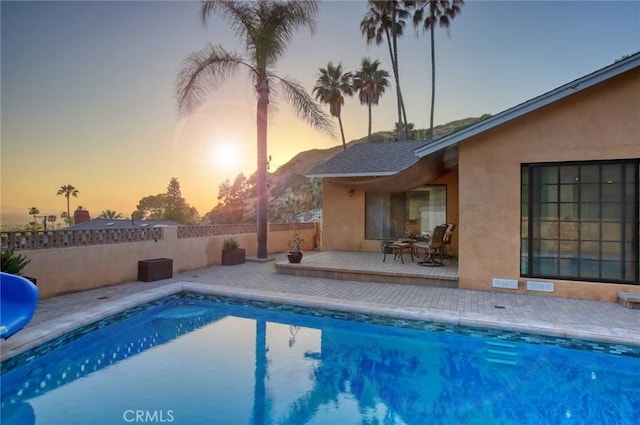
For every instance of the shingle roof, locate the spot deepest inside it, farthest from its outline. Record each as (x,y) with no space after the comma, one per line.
(369,159)
(106,223)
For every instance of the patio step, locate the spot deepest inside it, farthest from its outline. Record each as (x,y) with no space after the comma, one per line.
(629,300)
(359,275)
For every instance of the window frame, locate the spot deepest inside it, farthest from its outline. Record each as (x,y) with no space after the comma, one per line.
(528,218)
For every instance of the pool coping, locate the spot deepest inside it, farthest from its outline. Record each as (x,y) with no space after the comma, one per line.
(34,336)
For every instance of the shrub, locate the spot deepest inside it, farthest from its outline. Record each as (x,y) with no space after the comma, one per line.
(230,244)
(13,263)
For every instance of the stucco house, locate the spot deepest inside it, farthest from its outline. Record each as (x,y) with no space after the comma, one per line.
(546,194)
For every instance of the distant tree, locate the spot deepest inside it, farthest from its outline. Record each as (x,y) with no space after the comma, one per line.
(110,214)
(151,207)
(370,83)
(430,13)
(408,130)
(232,202)
(331,87)
(68,190)
(167,206)
(265,28)
(66,218)
(52,219)
(34,212)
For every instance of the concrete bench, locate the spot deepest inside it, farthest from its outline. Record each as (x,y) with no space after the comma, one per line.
(629,299)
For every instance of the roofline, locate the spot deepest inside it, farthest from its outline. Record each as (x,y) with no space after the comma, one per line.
(531,105)
(372,174)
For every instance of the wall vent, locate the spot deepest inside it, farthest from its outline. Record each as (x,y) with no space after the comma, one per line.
(505,283)
(540,286)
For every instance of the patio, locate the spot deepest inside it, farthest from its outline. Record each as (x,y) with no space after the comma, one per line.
(369,267)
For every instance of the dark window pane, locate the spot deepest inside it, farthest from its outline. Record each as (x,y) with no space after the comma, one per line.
(569,192)
(611,231)
(590,211)
(589,269)
(589,192)
(611,270)
(611,212)
(569,211)
(590,174)
(549,193)
(548,211)
(568,267)
(569,174)
(589,231)
(612,173)
(611,192)
(590,250)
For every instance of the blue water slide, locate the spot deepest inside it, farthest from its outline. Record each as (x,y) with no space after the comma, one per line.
(18,300)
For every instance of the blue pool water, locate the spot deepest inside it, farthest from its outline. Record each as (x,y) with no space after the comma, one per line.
(194,359)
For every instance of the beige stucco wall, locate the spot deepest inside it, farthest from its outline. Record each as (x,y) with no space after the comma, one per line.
(343,216)
(72,269)
(602,122)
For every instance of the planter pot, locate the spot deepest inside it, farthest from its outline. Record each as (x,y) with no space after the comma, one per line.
(294,257)
(232,257)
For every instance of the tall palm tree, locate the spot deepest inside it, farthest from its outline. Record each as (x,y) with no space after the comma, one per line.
(265,27)
(430,13)
(331,87)
(385,20)
(370,83)
(68,191)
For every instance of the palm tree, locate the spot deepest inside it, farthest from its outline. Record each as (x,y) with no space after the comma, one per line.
(265,27)
(34,211)
(440,12)
(370,82)
(110,214)
(68,190)
(385,20)
(331,87)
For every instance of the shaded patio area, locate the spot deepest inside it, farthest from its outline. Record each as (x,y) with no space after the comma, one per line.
(369,267)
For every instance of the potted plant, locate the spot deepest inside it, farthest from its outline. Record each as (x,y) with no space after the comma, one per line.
(296,241)
(232,254)
(13,263)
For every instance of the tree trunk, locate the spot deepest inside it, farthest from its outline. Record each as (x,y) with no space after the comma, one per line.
(396,78)
(433,81)
(344,143)
(261,183)
(369,134)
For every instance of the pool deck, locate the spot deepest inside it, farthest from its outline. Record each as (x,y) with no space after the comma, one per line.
(590,320)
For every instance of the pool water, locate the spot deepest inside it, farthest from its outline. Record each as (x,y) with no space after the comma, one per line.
(193,360)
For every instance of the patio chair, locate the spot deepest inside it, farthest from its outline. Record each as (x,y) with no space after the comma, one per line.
(434,247)
(447,239)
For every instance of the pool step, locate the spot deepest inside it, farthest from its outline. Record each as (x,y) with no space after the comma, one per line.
(501,352)
(629,300)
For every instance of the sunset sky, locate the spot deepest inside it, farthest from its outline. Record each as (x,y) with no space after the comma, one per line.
(87,89)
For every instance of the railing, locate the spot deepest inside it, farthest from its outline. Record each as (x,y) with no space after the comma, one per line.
(32,239)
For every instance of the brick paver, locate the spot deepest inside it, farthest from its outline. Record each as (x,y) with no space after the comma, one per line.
(540,314)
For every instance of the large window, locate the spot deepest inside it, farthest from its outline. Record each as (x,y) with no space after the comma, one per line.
(580,221)
(394,215)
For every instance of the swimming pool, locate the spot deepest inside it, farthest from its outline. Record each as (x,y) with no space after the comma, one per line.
(201,359)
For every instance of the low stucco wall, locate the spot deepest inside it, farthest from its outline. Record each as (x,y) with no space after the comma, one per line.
(597,124)
(71,269)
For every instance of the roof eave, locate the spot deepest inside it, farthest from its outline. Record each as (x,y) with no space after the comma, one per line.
(363,174)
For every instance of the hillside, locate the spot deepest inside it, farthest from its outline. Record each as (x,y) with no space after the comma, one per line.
(291,176)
